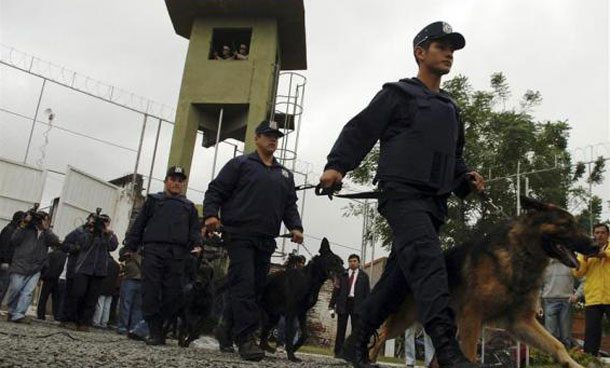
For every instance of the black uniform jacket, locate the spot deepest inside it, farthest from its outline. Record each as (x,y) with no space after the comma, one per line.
(253,197)
(421,135)
(165,220)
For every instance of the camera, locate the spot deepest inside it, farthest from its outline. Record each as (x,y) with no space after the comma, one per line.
(36,216)
(99,221)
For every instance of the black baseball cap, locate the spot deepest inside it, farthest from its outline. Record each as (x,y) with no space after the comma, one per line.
(266,127)
(176,171)
(437,30)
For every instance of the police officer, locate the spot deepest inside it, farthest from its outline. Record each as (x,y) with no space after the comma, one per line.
(420,165)
(168,228)
(254,194)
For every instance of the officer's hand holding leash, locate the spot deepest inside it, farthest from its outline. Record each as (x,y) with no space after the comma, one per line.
(211,225)
(330,178)
(297,236)
(197,251)
(476,182)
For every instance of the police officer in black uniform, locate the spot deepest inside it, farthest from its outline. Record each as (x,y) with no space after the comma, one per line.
(254,194)
(168,229)
(420,165)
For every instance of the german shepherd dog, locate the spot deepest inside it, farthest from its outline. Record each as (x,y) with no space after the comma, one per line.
(291,293)
(496,281)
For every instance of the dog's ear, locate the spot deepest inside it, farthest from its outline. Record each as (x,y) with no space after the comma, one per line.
(528,203)
(324,247)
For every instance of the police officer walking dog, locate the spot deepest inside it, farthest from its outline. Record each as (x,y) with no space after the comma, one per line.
(420,165)
(254,194)
(168,228)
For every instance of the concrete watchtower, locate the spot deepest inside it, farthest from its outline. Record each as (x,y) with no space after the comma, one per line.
(236,93)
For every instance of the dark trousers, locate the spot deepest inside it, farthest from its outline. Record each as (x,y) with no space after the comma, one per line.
(67,300)
(55,289)
(593,327)
(113,319)
(342,324)
(162,282)
(416,265)
(249,261)
(83,298)
(4,281)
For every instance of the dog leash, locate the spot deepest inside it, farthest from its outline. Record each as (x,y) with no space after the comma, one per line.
(332,192)
(219,241)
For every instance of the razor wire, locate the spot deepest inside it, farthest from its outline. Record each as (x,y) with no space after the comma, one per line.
(83,83)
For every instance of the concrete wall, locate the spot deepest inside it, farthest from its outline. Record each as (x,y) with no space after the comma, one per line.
(207,83)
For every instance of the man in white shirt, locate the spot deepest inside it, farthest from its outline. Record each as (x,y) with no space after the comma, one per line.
(353,287)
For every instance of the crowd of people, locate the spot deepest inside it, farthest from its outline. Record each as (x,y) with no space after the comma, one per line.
(226,53)
(559,294)
(79,274)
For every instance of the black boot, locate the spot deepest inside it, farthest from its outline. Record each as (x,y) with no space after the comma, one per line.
(249,349)
(448,352)
(223,335)
(155,327)
(355,349)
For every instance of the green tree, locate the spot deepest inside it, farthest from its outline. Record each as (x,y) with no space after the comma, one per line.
(499,141)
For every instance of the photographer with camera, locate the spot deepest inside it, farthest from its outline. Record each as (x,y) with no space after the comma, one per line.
(94,245)
(31,241)
(72,248)
(6,250)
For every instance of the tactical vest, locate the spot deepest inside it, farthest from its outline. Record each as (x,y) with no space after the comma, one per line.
(420,146)
(169,221)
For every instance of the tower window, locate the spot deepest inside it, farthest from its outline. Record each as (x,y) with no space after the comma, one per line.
(230,44)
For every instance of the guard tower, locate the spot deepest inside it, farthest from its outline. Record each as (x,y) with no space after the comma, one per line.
(229,98)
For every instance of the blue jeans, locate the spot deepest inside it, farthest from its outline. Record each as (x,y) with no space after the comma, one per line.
(102,311)
(19,294)
(130,307)
(558,320)
(410,347)
(281,331)
(141,329)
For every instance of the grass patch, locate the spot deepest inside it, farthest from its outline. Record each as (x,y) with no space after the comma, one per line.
(320,350)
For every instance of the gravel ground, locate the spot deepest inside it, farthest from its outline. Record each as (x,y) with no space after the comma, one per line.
(44,344)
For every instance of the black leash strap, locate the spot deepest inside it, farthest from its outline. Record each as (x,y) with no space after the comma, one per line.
(332,192)
(220,241)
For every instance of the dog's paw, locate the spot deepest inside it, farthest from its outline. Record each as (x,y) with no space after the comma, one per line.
(293,358)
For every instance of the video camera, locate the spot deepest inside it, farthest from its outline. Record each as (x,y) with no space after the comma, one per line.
(99,221)
(36,217)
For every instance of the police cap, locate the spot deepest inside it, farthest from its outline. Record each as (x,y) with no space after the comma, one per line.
(176,171)
(438,30)
(269,127)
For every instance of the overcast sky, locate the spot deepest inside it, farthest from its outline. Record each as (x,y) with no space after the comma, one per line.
(559,48)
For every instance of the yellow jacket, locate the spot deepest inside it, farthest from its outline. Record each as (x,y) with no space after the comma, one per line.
(597,284)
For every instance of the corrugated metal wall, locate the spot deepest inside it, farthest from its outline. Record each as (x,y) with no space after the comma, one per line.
(20,187)
(82,194)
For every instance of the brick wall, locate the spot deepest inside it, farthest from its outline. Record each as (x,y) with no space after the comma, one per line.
(322,328)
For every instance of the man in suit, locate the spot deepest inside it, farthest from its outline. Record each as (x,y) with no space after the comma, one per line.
(353,287)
